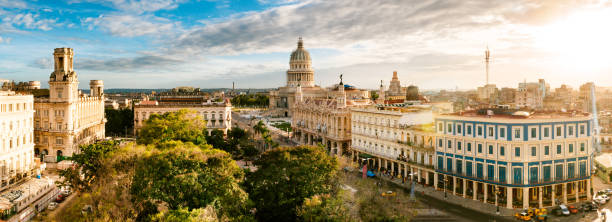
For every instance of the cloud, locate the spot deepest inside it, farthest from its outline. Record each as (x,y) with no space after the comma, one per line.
(42,63)
(145,62)
(12,4)
(30,21)
(137,6)
(130,25)
(5,40)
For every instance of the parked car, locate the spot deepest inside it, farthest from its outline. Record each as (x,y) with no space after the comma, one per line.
(86,210)
(523,216)
(541,214)
(564,210)
(605,197)
(586,207)
(389,194)
(66,193)
(60,198)
(608,191)
(572,209)
(599,199)
(52,206)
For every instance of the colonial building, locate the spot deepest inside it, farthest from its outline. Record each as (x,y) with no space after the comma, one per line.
(327,121)
(300,73)
(396,137)
(16,137)
(515,159)
(218,115)
(65,118)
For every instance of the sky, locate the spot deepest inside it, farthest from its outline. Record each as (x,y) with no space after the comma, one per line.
(434,44)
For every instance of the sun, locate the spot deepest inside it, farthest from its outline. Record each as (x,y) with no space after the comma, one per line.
(582,39)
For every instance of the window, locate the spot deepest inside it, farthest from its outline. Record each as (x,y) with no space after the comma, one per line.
(502,132)
(458,128)
(558,131)
(517,133)
(533,132)
(533,174)
(458,145)
(440,127)
(570,130)
(468,168)
(59,140)
(449,164)
(517,151)
(571,148)
(479,172)
(518,176)
(546,132)
(449,144)
(469,129)
(581,147)
(546,150)
(490,172)
(502,151)
(534,151)
(558,149)
(570,170)
(480,130)
(490,149)
(546,170)
(440,162)
(450,127)
(502,174)
(583,171)
(469,147)
(479,148)
(459,165)
(491,131)
(581,129)
(559,172)
(440,143)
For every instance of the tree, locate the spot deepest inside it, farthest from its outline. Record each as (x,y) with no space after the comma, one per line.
(183,125)
(374,95)
(324,207)
(87,165)
(119,122)
(190,177)
(286,177)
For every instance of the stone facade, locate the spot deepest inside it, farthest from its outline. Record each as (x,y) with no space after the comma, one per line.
(66,118)
(218,115)
(16,137)
(326,121)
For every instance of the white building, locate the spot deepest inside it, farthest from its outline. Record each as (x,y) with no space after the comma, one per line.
(66,119)
(16,133)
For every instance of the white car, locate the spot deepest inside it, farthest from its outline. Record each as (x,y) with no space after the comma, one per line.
(564,210)
(605,197)
(52,206)
(600,199)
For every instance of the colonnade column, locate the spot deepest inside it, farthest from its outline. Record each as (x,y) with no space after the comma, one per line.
(495,190)
(485,188)
(379,163)
(576,191)
(564,187)
(405,170)
(552,195)
(509,196)
(540,191)
(419,175)
(454,185)
(525,198)
(588,187)
(435,180)
(464,188)
(475,193)
(426,177)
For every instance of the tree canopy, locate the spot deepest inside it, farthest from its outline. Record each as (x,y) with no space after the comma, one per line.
(286,177)
(87,165)
(251,100)
(183,125)
(119,122)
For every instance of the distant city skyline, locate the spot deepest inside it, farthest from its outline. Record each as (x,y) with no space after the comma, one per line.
(210,44)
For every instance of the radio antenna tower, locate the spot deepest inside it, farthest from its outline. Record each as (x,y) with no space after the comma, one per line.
(487,59)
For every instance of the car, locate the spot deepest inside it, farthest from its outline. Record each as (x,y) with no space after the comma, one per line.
(66,193)
(60,198)
(605,197)
(564,210)
(572,209)
(541,214)
(599,199)
(87,209)
(524,216)
(389,194)
(608,191)
(52,206)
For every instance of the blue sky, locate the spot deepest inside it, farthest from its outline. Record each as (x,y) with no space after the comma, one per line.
(435,44)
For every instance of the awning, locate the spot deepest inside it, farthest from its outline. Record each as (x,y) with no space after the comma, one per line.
(365,155)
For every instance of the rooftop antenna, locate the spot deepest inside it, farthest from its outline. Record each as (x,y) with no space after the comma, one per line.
(487,59)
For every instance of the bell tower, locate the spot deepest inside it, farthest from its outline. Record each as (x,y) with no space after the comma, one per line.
(63,82)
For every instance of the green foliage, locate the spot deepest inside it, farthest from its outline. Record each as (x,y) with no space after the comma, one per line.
(185,215)
(324,207)
(286,177)
(190,177)
(87,165)
(374,95)
(284,126)
(183,125)
(119,122)
(251,100)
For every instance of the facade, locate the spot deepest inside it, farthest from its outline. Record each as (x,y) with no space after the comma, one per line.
(487,92)
(395,90)
(515,159)
(532,94)
(300,73)
(327,121)
(16,137)
(218,115)
(395,137)
(65,118)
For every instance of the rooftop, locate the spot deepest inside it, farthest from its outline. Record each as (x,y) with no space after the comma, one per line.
(519,114)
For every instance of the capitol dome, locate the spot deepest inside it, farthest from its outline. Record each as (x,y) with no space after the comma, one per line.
(300,54)
(300,67)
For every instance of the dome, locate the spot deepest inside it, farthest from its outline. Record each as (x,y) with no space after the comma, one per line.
(300,54)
